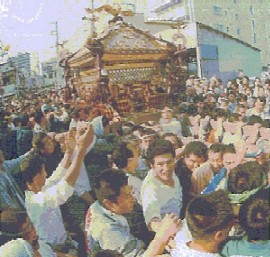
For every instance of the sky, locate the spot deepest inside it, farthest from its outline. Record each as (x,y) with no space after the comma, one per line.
(26,25)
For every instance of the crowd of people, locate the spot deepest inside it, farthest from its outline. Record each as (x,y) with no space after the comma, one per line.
(194,181)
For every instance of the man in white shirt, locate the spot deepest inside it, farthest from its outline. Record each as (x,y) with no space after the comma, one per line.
(258,109)
(161,192)
(168,123)
(44,196)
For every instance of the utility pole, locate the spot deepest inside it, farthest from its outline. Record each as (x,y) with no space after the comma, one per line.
(92,19)
(55,32)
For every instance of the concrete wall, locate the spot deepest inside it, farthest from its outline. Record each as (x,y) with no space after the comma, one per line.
(231,54)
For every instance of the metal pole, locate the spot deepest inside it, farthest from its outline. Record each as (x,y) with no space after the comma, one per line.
(56,33)
(92,19)
(57,38)
(198,52)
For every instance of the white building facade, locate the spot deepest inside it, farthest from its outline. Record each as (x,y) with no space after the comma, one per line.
(241,19)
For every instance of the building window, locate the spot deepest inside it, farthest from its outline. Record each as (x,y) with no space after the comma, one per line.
(225,12)
(238,32)
(237,16)
(227,29)
(216,9)
(254,38)
(218,27)
(251,10)
(221,27)
(253,24)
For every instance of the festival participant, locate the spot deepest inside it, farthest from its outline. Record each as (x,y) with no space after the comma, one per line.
(258,109)
(115,199)
(40,122)
(230,160)
(10,193)
(243,181)
(209,220)
(127,160)
(254,218)
(44,196)
(258,88)
(204,174)
(19,237)
(45,145)
(177,143)
(168,123)
(246,179)
(195,153)
(97,159)
(161,192)
(24,136)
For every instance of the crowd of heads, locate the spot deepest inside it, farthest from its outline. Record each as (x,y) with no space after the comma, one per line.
(211,146)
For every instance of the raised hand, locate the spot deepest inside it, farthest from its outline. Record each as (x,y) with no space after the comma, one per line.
(170,225)
(70,141)
(85,135)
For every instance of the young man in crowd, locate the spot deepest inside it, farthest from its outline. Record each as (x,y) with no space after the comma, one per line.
(203,175)
(44,196)
(209,220)
(161,192)
(127,159)
(195,153)
(258,109)
(168,123)
(254,218)
(177,143)
(107,228)
(230,160)
(19,237)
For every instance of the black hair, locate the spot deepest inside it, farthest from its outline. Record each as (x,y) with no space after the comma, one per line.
(121,154)
(109,183)
(197,148)
(254,119)
(245,177)
(16,121)
(10,222)
(25,119)
(170,134)
(216,148)
(159,147)
(261,99)
(229,148)
(254,215)
(234,117)
(105,121)
(209,213)
(38,115)
(31,166)
(37,140)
